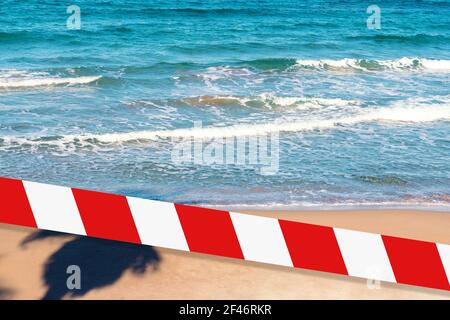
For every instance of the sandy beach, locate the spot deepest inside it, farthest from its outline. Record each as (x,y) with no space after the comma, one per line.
(33,265)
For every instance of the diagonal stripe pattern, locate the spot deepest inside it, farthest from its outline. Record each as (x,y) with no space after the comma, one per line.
(223,233)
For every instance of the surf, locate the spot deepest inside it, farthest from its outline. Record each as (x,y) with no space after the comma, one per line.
(45,81)
(366,65)
(399,113)
(386,115)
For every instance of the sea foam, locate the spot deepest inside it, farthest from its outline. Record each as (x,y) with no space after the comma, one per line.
(405,64)
(402,112)
(14,79)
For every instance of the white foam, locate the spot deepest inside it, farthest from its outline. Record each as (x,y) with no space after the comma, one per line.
(8,83)
(409,114)
(270,100)
(405,63)
(324,64)
(407,111)
(438,65)
(306,102)
(223,72)
(414,114)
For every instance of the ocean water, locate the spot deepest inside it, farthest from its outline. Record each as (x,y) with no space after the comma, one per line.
(361,116)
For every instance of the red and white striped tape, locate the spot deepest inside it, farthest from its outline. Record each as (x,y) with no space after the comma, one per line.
(224,233)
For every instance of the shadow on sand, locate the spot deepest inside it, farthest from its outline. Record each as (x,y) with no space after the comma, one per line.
(102,262)
(5,293)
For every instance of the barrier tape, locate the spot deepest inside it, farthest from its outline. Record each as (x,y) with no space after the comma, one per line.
(223,233)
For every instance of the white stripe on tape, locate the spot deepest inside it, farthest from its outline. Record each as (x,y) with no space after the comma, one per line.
(444,252)
(54,208)
(364,255)
(261,239)
(158,223)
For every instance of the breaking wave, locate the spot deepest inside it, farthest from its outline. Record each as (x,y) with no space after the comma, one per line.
(405,64)
(400,113)
(42,82)
(16,79)
(265,100)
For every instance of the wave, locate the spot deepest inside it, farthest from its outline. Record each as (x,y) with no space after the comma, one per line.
(271,63)
(15,83)
(403,64)
(397,113)
(248,68)
(264,100)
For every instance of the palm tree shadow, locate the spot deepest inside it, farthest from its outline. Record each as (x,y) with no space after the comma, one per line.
(101,262)
(5,293)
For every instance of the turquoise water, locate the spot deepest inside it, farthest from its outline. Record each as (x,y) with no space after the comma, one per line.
(362,115)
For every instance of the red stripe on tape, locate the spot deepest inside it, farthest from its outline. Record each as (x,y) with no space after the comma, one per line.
(106,216)
(209,231)
(14,205)
(313,247)
(416,262)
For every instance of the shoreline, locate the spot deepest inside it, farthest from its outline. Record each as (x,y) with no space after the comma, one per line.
(28,259)
(441,208)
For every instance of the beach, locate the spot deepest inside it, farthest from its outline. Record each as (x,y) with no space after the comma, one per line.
(33,265)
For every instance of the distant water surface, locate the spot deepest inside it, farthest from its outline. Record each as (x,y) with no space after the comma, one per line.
(362,116)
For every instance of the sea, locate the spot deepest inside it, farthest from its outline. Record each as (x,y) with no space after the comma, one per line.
(348,100)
